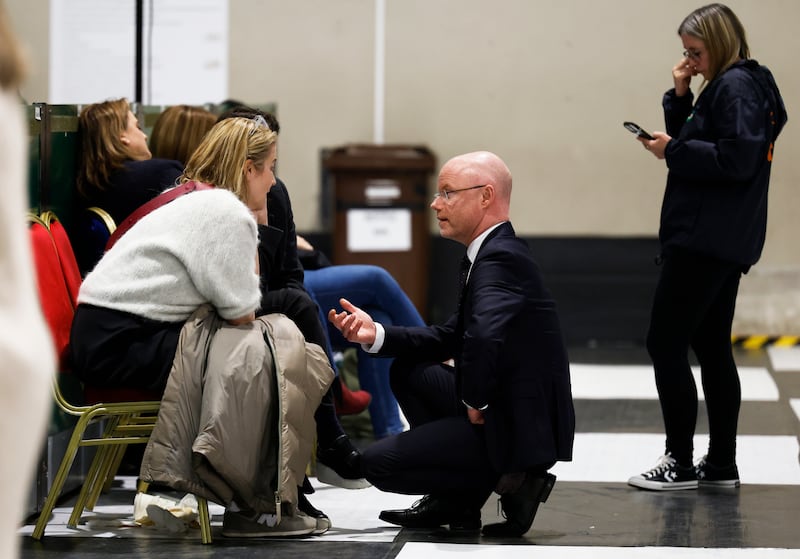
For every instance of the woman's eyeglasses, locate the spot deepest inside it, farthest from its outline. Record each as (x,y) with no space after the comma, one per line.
(693,54)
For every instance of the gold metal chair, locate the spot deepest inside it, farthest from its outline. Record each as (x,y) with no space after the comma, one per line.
(104,216)
(125,422)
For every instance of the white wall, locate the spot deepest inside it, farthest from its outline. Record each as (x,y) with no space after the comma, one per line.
(545,84)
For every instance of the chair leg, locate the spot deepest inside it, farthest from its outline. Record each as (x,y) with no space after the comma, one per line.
(60,478)
(105,464)
(96,479)
(204,519)
(105,474)
(113,468)
(92,480)
(108,458)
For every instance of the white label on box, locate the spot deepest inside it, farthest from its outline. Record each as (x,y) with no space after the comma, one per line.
(381,191)
(379,230)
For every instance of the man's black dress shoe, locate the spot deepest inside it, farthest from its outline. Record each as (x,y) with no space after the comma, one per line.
(433,512)
(520,507)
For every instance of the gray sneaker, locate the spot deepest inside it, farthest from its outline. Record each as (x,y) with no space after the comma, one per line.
(305,506)
(246,524)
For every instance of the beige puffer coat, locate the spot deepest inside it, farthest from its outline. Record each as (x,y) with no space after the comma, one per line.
(237,418)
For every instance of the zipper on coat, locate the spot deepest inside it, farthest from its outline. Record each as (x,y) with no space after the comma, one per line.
(278,423)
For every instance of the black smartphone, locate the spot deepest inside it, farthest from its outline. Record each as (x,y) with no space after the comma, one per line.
(638,130)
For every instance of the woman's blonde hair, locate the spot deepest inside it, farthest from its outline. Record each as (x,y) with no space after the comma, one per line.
(722,34)
(12,63)
(221,156)
(179,130)
(100,148)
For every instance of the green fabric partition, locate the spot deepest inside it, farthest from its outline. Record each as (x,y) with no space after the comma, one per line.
(34,119)
(60,155)
(52,157)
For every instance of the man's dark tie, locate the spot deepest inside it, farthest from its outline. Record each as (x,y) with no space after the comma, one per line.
(463,271)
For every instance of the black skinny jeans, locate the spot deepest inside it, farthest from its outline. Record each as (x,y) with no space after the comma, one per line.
(693,307)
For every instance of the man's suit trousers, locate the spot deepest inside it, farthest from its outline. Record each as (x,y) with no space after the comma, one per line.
(443,454)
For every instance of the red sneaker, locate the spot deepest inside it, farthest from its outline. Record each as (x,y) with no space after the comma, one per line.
(349,402)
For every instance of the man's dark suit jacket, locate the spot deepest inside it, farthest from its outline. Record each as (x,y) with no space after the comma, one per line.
(509,354)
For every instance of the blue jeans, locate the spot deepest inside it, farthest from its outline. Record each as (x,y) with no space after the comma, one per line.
(373,289)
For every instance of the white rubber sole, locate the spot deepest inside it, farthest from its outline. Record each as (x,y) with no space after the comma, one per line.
(641,483)
(268,533)
(719,483)
(330,477)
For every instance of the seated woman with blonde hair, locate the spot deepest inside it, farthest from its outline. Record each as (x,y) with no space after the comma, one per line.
(171,307)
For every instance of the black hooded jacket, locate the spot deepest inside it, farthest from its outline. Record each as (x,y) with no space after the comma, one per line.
(719,161)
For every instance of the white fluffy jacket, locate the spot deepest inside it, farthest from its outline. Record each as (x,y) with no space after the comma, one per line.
(197,249)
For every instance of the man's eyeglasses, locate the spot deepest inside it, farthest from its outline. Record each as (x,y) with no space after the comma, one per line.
(693,54)
(447,193)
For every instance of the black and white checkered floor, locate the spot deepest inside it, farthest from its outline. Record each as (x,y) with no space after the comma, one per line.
(592,513)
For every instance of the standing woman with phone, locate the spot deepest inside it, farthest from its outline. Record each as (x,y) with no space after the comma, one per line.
(718,152)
